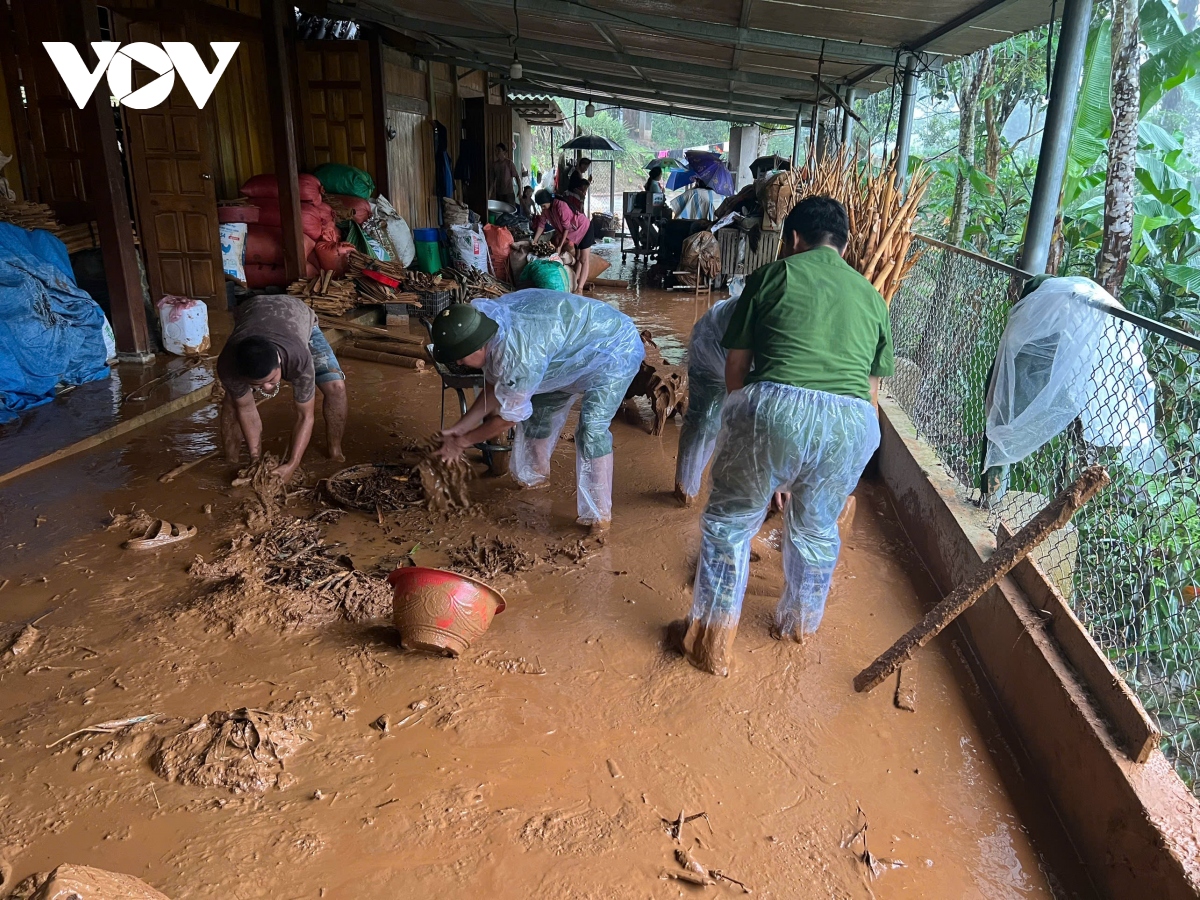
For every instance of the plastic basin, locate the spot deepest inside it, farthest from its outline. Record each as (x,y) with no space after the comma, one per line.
(439,611)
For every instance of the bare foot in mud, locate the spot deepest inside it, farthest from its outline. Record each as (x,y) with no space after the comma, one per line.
(336,454)
(681,495)
(794,633)
(597,529)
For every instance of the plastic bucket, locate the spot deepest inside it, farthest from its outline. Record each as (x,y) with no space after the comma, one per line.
(439,611)
(426,234)
(429,257)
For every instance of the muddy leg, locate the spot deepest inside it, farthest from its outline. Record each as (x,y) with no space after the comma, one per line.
(337,407)
(698,436)
(743,480)
(231,432)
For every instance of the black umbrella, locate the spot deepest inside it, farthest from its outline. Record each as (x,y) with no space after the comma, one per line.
(666,163)
(592,142)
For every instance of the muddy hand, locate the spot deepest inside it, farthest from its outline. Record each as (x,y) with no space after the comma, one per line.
(779,500)
(451,449)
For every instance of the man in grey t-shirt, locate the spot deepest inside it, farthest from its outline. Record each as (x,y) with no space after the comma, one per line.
(276,339)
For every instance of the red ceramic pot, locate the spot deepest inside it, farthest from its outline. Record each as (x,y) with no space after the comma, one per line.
(440,611)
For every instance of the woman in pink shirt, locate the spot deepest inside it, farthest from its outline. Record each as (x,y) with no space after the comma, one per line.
(572,231)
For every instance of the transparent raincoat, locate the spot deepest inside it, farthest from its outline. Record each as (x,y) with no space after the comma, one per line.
(706,396)
(550,348)
(777,437)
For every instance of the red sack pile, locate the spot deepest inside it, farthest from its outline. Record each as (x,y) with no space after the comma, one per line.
(346,207)
(266,187)
(332,255)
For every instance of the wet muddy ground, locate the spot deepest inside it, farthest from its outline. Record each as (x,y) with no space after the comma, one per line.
(553,759)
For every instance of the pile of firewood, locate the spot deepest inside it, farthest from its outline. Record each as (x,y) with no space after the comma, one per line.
(84,236)
(326,294)
(475,284)
(30,216)
(881,217)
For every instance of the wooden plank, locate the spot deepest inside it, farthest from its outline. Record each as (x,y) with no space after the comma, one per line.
(278,38)
(375,96)
(106,188)
(115,431)
(1133,728)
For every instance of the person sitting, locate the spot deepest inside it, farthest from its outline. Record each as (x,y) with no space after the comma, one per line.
(539,350)
(529,207)
(573,233)
(698,201)
(653,189)
(276,338)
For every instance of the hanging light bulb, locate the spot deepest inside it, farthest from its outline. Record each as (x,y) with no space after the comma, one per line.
(589,110)
(515,71)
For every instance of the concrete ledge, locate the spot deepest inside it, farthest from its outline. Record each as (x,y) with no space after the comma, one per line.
(1135,825)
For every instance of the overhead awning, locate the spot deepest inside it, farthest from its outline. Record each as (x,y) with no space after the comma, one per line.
(537,109)
(741,60)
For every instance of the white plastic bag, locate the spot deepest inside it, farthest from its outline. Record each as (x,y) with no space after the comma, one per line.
(398,232)
(469,247)
(1044,366)
(233,250)
(110,341)
(184,323)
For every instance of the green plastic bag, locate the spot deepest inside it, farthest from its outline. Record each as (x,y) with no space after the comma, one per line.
(340,179)
(548,274)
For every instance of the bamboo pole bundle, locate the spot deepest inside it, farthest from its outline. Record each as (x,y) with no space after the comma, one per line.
(881,217)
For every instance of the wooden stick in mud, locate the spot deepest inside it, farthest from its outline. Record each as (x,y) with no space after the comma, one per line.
(392,347)
(392,359)
(346,325)
(1053,517)
(183,467)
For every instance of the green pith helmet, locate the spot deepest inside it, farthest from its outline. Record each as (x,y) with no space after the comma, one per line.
(1034,283)
(459,331)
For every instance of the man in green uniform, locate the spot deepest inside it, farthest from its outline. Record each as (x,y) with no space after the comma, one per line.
(808,342)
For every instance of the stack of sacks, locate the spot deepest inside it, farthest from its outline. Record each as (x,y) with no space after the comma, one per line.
(264,238)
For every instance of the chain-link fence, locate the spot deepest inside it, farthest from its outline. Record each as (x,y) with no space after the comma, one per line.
(1129,563)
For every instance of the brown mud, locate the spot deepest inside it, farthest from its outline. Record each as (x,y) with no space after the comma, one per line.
(552,759)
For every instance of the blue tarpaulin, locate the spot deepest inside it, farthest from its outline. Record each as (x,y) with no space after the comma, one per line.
(51,331)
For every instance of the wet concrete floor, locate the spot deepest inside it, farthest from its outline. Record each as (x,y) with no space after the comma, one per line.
(548,756)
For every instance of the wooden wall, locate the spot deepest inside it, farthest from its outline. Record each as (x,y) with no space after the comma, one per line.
(8,137)
(240,121)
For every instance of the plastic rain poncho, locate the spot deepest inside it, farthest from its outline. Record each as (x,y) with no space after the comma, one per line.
(706,396)
(777,437)
(551,347)
(1062,356)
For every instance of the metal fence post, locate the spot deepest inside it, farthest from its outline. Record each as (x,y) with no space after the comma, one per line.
(1056,137)
(908,101)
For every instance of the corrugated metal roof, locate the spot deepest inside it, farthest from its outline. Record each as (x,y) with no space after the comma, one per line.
(742,60)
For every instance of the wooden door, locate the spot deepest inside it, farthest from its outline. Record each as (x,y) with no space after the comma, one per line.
(337,108)
(51,142)
(170,162)
(410,167)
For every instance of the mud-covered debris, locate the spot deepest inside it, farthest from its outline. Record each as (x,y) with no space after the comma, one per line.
(269,490)
(243,751)
(444,483)
(613,769)
(686,876)
(69,882)
(383,723)
(487,558)
(136,521)
(111,727)
(24,641)
(685,859)
(287,577)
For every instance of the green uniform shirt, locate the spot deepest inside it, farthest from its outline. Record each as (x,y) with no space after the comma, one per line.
(813,322)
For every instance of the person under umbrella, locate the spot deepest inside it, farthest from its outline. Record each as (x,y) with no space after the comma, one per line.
(540,350)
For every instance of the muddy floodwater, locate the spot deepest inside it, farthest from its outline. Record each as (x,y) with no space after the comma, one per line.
(553,759)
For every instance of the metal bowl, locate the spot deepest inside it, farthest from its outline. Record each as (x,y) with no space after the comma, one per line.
(499,207)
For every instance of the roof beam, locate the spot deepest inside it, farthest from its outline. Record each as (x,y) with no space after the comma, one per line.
(738,37)
(668,107)
(584,78)
(958,23)
(419,22)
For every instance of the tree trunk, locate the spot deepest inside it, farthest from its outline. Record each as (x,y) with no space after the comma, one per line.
(1122,149)
(968,96)
(991,149)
